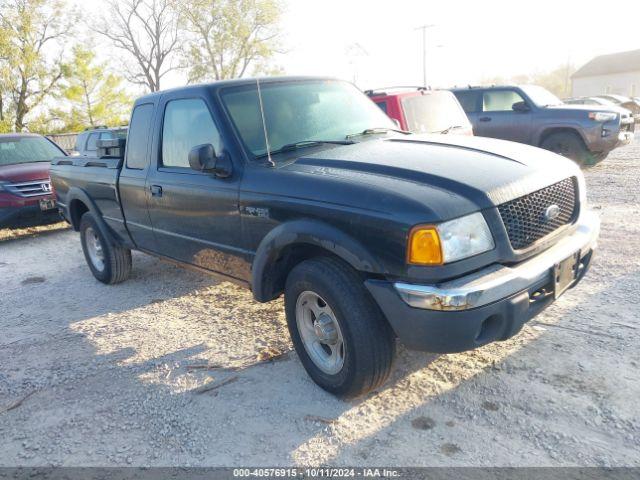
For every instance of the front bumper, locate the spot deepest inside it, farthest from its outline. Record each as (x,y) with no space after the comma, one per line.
(27,214)
(488,305)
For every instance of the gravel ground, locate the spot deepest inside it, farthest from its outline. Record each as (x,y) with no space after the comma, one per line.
(97,375)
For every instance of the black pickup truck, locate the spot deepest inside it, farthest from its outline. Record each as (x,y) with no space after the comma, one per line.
(302,187)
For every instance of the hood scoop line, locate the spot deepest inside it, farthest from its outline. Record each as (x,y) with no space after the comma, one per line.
(452,145)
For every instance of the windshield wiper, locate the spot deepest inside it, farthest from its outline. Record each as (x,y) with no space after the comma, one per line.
(452,127)
(372,131)
(306,143)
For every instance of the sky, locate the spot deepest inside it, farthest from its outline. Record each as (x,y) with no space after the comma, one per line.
(376,43)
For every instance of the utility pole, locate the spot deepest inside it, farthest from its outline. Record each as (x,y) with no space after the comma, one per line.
(424,52)
(355,51)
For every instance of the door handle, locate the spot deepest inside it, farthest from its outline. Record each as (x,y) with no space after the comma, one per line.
(484,119)
(156,190)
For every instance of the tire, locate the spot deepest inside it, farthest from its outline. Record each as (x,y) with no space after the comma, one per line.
(599,157)
(115,264)
(569,145)
(368,342)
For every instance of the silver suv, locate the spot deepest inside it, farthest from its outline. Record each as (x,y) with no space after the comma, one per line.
(87,141)
(530,114)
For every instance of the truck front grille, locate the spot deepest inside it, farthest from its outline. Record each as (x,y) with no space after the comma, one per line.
(527,218)
(34,188)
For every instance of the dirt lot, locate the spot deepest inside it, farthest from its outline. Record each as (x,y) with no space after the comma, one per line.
(107,376)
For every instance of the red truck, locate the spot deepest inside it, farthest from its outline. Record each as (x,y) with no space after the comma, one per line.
(26,195)
(422,110)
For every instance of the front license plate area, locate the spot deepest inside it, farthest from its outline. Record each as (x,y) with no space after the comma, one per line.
(46,204)
(564,273)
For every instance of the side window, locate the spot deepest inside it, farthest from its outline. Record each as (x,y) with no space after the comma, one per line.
(187,123)
(138,138)
(382,105)
(106,136)
(500,100)
(469,100)
(92,143)
(80,141)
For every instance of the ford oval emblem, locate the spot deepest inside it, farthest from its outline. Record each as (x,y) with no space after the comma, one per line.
(551,213)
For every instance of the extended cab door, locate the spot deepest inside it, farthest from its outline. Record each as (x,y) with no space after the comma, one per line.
(499,119)
(132,188)
(194,214)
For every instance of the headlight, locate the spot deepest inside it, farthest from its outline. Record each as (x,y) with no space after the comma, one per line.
(603,116)
(449,241)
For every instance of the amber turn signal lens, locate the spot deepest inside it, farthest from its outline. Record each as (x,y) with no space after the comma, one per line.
(424,246)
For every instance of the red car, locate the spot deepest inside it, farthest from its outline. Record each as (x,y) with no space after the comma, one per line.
(26,194)
(421,110)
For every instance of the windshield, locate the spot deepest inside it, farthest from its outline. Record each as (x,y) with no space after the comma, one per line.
(433,112)
(300,111)
(26,150)
(541,96)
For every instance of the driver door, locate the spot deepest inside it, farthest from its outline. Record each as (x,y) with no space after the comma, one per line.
(194,214)
(498,119)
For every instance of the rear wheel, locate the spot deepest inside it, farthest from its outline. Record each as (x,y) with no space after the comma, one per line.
(109,263)
(338,331)
(569,145)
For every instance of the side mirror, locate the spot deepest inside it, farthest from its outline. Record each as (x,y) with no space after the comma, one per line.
(203,158)
(520,107)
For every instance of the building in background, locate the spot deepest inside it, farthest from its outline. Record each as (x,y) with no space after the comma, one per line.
(616,73)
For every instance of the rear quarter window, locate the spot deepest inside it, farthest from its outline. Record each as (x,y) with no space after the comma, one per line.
(138,138)
(382,105)
(92,143)
(80,142)
(469,100)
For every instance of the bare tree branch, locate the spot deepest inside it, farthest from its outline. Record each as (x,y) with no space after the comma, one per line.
(148,31)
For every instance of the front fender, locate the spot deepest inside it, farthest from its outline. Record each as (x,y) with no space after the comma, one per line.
(306,232)
(542,131)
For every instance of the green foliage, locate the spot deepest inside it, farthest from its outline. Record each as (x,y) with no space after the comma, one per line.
(31,33)
(557,81)
(92,95)
(229,38)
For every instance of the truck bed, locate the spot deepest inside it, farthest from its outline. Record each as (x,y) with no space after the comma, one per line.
(97,178)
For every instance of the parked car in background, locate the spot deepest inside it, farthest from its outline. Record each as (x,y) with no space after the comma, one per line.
(26,196)
(627,120)
(591,101)
(302,187)
(629,103)
(421,110)
(531,114)
(87,141)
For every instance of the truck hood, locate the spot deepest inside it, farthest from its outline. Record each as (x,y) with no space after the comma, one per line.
(24,172)
(451,176)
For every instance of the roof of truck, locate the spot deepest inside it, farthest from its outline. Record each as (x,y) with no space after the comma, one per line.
(237,82)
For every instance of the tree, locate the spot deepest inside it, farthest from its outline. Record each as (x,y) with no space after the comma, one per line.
(148,31)
(227,37)
(557,81)
(30,32)
(96,97)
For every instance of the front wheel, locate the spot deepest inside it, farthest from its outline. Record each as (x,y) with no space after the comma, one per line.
(339,333)
(108,262)
(569,145)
